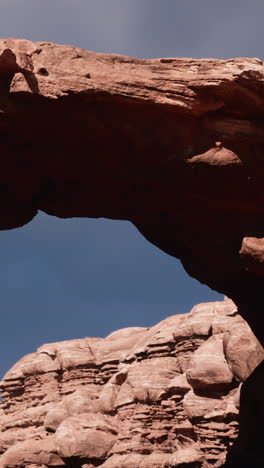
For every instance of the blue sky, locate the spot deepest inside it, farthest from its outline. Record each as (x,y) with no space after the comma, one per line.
(63,279)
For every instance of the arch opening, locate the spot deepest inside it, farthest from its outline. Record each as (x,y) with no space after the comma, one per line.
(66,279)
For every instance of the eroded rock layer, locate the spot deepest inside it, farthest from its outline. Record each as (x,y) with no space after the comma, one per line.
(164,396)
(173,145)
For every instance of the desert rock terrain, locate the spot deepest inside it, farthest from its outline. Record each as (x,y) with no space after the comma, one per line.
(164,396)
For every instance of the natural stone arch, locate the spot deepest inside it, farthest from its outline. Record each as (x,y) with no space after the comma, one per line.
(173,145)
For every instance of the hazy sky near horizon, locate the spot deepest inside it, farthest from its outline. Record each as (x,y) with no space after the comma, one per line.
(63,279)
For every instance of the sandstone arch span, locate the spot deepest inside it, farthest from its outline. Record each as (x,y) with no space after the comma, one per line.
(173,145)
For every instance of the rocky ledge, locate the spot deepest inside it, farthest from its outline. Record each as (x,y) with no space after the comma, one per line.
(166,396)
(174,145)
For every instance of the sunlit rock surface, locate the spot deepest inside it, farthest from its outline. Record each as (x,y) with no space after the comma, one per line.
(174,145)
(141,397)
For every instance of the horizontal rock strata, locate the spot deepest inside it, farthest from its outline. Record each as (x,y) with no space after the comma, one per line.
(142,397)
(173,145)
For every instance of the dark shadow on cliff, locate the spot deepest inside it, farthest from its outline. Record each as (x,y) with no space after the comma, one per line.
(247,449)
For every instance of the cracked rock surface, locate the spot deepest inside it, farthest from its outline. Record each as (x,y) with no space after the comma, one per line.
(173,145)
(145,397)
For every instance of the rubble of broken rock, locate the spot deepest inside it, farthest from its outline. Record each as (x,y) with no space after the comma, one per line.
(142,397)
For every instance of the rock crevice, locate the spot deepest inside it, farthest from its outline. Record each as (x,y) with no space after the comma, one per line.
(163,396)
(173,145)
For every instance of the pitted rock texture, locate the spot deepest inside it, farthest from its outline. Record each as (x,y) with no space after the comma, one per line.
(164,396)
(173,145)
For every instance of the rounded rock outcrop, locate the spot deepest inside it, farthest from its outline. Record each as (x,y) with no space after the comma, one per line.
(166,394)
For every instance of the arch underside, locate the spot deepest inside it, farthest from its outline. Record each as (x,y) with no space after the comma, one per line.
(173,145)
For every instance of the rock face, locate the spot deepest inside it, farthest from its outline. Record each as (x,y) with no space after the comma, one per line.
(165,396)
(173,145)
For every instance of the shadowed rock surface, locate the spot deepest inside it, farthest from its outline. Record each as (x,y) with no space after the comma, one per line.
(165,396)
(173,145)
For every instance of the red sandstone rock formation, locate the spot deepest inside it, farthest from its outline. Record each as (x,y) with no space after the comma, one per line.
(166,396)
(173,145)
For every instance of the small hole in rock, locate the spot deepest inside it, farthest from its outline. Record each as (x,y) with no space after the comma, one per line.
(43,71)
(87,75)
